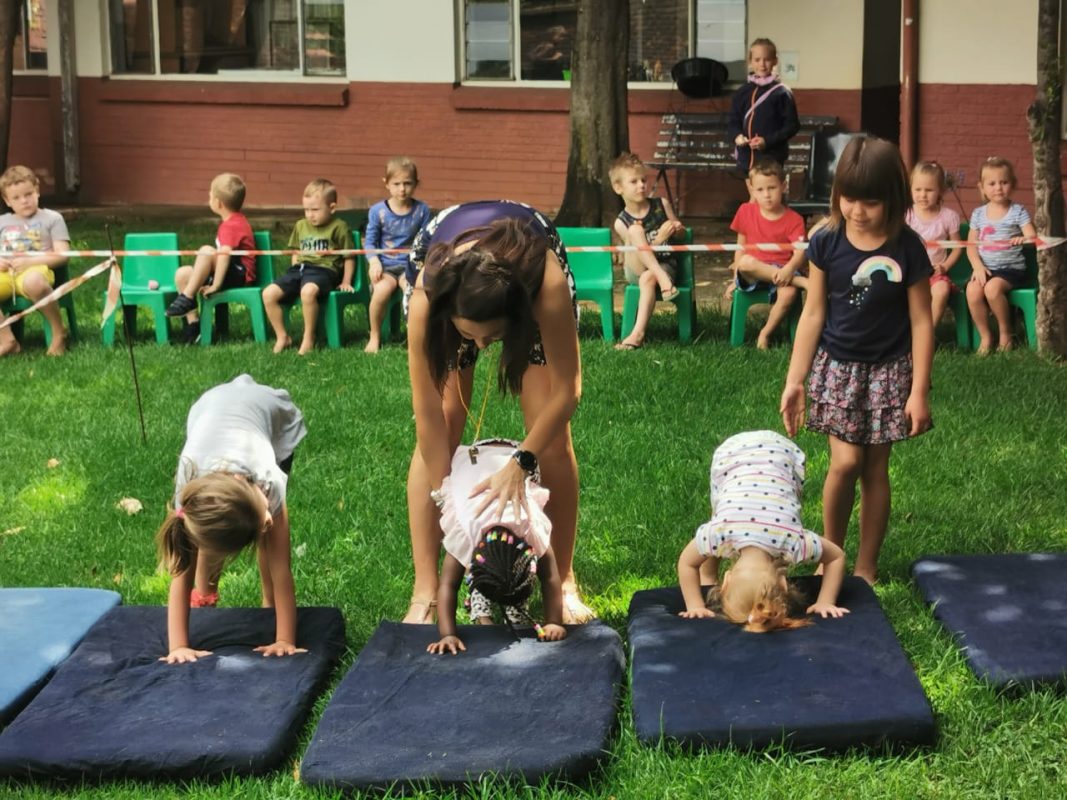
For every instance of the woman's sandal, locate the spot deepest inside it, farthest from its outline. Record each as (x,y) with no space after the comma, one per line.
(575,612)
(428,617)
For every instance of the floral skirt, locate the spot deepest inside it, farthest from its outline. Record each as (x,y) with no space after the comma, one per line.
(857,402)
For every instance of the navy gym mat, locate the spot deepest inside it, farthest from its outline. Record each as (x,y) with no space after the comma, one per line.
(835,684)
(38,629)
(524,708)
(114,710)
(1009,612)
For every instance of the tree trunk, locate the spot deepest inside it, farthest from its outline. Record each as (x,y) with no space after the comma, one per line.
(9,28)
(599,115)
(1044,116)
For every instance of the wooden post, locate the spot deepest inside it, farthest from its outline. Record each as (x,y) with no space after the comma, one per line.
(68,98)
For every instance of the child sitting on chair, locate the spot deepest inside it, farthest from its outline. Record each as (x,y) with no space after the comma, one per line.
(312,277)
(766,220)
(214,267)
(756,480)
(30,228)
(500,553)
(643,221)
(229,494)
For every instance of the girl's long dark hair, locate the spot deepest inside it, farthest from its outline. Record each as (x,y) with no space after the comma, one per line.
(498,278)
(501,568)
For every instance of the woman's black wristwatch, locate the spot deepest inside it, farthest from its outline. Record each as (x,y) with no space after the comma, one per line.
(527,461)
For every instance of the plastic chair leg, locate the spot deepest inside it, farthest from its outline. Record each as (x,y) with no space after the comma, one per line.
(685,309)
(1028,307)
(629,309)
(258,317)
(332,315)
(739,306)
(607,315)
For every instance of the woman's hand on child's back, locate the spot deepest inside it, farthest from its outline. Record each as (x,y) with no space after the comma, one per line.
(506,486)
(280,648)
(453,644)
(184,655)
(551,632)
(825,610)
(697,613)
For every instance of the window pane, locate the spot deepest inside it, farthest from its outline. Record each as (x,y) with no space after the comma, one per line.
(546,31)
(488,38)
(32,50)
(324,37)
(131,36)
(659,38)
(720,28)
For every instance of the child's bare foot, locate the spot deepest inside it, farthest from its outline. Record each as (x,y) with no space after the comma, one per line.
(58,346)
(763,341)
(10,348)
(306,347)
(985,347)
(373,345)
(282,343)
(1005,344)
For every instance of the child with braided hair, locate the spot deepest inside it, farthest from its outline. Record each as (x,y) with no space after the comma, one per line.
(229,494)
(500,554)
(756,480)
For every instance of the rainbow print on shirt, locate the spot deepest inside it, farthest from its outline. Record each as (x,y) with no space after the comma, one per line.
(863,278)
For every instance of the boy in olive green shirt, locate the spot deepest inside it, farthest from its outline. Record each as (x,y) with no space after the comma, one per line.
(312,277)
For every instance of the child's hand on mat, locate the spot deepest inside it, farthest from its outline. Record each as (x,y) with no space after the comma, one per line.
(452,644)
(792,407)
(279,648)
(184,655)
(507,485)
(346,287)
(551,632)
(825,610)
(697,613)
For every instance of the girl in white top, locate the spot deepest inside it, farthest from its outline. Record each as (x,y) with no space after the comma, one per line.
(933,221)
(230,493)
(500,552)
(756,480)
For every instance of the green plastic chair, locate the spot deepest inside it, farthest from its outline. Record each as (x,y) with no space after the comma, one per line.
(743,301)
(1024,299)
(960,274)
(66,304)
(593,277)
(249,296)
(137,271)
(684,303)
(331,313)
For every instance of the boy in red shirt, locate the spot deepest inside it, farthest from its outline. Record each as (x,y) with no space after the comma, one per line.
(214,268)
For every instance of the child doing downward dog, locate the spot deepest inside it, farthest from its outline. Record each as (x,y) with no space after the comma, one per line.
(933,221)
(756,480)
(500,553)
(230,493)
(866,339)
(997,270)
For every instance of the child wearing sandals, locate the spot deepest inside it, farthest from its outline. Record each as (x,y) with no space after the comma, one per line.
(643,221)
(998,269)
(866,339)
(230,493)
(500,554)
(761,530)
(934,221)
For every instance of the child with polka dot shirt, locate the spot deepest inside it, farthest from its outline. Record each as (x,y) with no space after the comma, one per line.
(756,481)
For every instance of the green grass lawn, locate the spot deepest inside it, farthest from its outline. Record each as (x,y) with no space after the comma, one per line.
(989,478)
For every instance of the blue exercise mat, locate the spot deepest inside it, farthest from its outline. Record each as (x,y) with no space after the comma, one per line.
(1009,612)
(114,710)
(523,708)
(38,629)
(836,684)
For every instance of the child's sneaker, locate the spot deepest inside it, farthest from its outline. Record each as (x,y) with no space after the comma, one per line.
(191,333)
(181,306)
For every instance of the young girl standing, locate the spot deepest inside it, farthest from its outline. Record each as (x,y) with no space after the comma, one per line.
(997,270)
(763,115)
(391,223)
(932,220)
(866,338)
(229,494)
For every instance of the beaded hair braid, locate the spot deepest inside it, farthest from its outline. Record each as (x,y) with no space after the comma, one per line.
(503,570)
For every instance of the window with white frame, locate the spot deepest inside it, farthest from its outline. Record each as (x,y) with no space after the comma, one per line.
(519,40)
(214,37)
(31,41)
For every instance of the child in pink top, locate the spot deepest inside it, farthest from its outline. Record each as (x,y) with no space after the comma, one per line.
(500,553)
(766,220)
(933,221)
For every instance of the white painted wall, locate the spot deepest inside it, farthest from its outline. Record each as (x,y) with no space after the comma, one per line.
(825,35)
(401,40)
(977,41)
